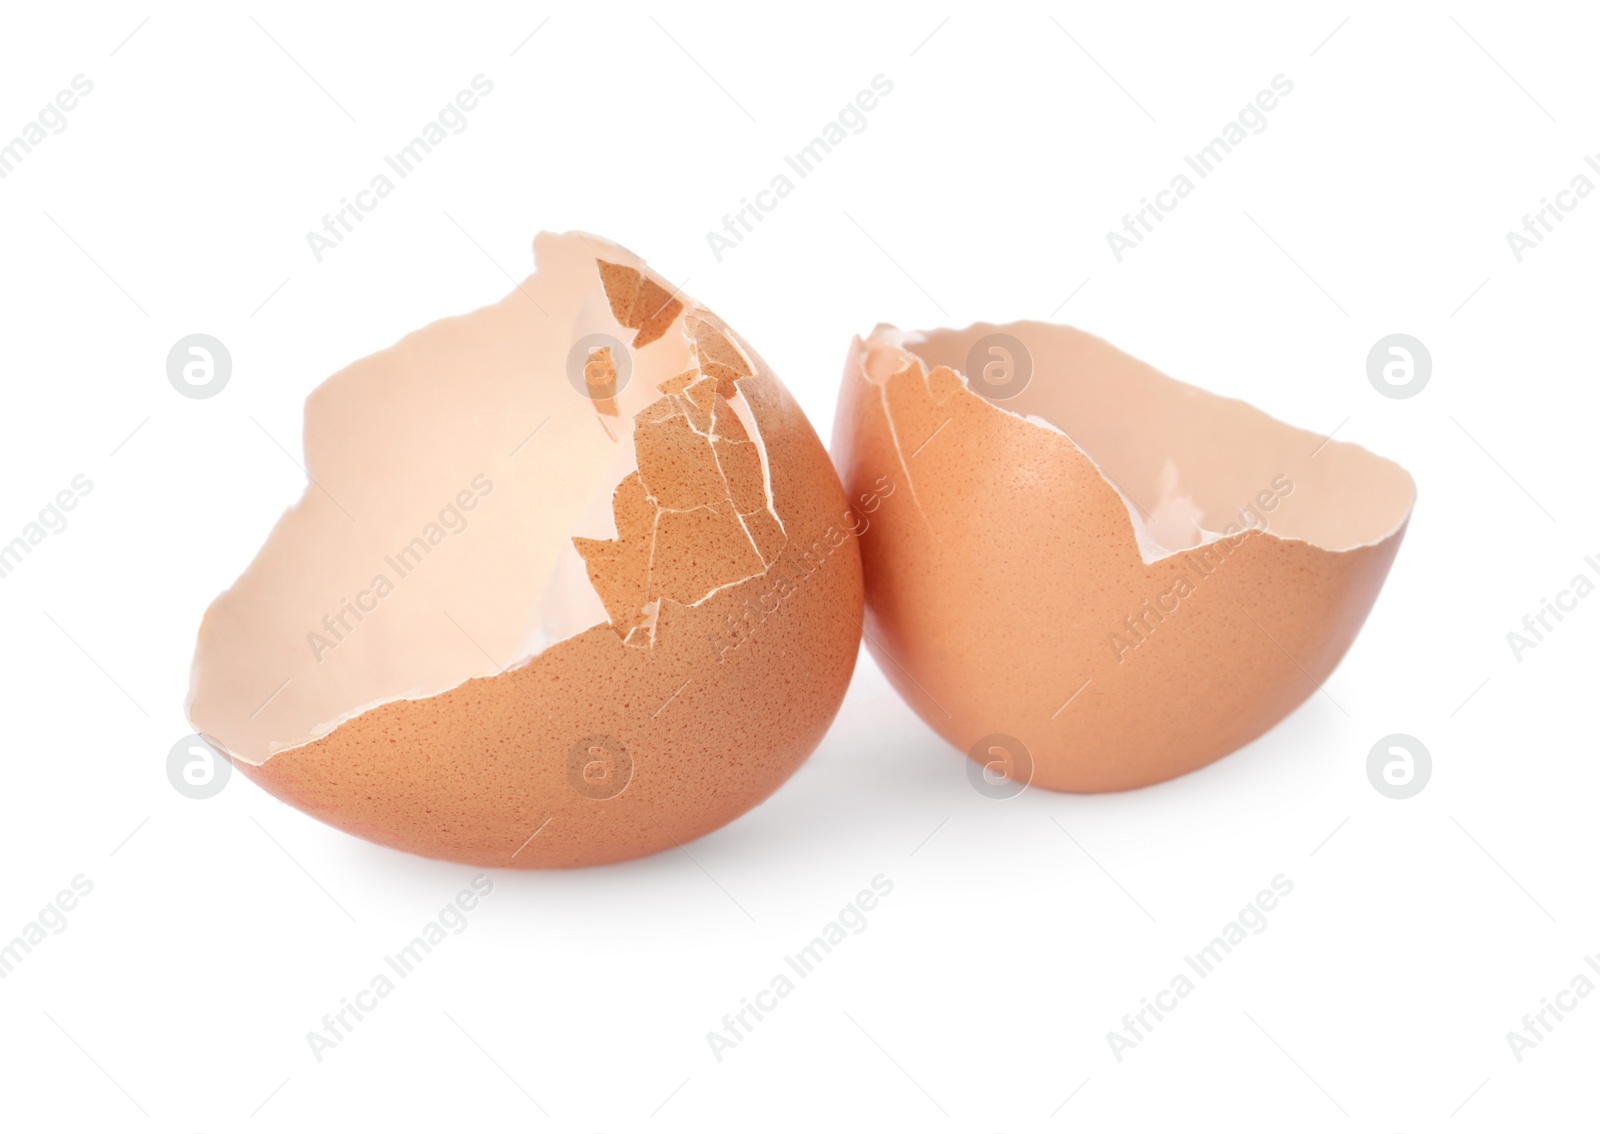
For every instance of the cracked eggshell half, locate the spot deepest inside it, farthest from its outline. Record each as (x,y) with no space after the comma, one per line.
(570,584)
(1088,575)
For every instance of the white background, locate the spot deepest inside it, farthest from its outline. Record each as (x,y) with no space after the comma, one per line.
(1018,933)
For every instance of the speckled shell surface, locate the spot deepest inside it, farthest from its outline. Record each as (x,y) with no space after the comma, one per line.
(1008,598)
(596,750)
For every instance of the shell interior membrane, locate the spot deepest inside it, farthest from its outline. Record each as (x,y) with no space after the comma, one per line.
(1191,466)
(590,455)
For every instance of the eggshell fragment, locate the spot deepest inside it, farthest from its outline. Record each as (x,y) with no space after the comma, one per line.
(521,616)
(1130,576)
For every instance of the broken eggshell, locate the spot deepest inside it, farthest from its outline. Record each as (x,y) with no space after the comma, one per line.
(570,583)
(1087,575)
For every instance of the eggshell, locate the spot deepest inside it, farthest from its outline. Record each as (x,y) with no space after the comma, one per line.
(526,614)
(1129,576)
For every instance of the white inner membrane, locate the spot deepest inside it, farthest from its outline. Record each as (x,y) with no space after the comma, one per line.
(449,474)
(1191,466)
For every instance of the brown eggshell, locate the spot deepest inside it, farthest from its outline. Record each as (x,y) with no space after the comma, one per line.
(1128,575)
(442,716)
